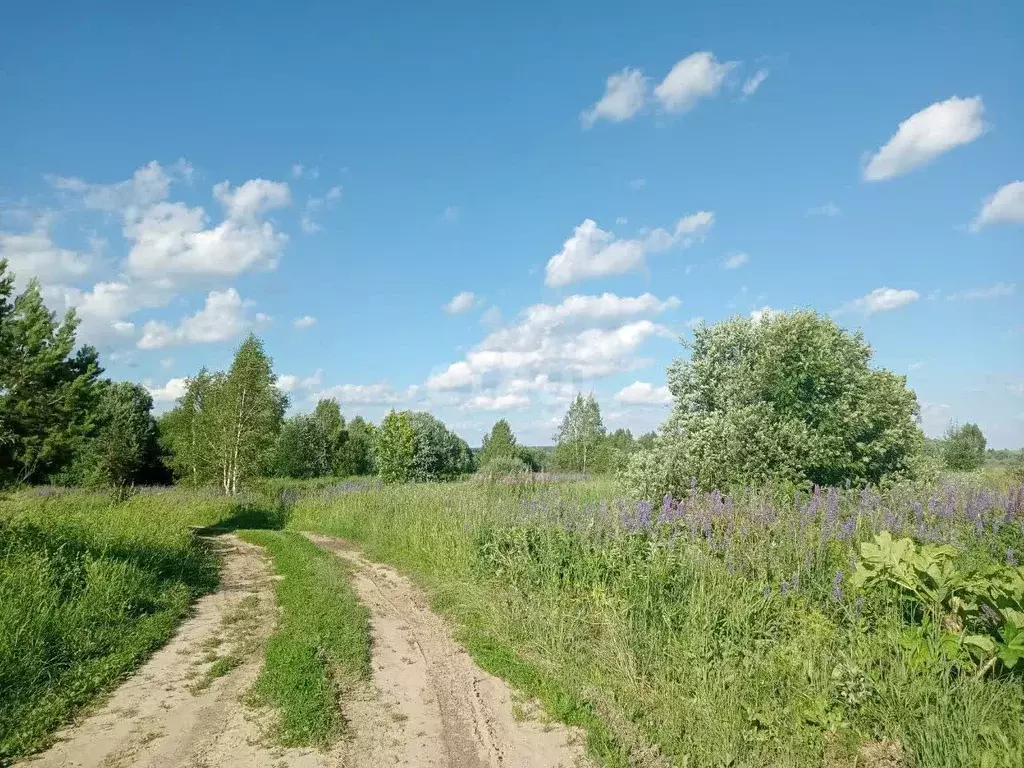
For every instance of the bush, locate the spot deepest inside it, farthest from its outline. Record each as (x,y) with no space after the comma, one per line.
(503,466)
(789,399)
(965,447)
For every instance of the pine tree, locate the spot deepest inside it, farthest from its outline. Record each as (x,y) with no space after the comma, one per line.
(48,392)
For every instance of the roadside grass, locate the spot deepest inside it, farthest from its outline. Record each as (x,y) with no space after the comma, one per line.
(321,647)
(713,633)
(88,590)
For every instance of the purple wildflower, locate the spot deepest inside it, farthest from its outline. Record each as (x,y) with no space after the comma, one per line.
(837,587)
(1011,557)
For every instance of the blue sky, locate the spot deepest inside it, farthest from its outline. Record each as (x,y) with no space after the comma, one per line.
(591,177)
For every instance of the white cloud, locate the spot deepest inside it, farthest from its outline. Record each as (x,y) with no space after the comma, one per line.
(643,393)
(636,184)
(251,199)
(503,402)
(1005,206)
(624,95)
(697,76)
(315,204)
(34,254)
(167,362)
(171,240)
(221,318)
(584,336)
(462,302)
(306,321)
(829,210)
(694,321)
(762,313)
(169,392)
(288,382)
(381,393)
(593,252)
(150,184)
(915,366)
(297,169)
(997,291)
(735,260)
(620,220)
(751,85)
(451,214)
(927,134)
(881,300)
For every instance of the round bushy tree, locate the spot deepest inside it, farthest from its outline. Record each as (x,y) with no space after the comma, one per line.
(789,397)
(964,448)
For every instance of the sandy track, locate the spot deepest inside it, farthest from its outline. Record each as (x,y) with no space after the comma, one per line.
(172,713)
(431,706)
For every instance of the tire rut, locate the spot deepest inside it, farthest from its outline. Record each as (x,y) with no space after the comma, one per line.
(430,705)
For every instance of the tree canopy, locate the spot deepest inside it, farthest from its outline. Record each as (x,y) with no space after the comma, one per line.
(579,435)
(964,448)
(790,397)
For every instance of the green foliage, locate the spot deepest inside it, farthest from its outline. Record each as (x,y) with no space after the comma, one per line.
(499,442)
(788,398)
(977,611)
(48,391)
(124,450)
(503,466)
(579,435)
(226,425)
(321,648)
(311,445)
(395,448)
(355,455)
(439,453)
(414,446)
(964,447)
(88,589)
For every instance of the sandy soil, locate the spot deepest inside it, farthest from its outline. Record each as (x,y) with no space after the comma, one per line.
(175,711)
(428,706)
(431,706)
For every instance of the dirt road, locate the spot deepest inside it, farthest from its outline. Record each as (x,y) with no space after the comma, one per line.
(432,707)
(183,708)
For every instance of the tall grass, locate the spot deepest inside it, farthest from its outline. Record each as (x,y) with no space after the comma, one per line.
(707,630)
(89,589)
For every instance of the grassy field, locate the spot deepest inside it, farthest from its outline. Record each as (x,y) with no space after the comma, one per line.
(87,591)
(708,631)
(702,631)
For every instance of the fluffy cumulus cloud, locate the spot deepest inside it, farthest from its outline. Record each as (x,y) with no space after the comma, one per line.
(643,393)
(169,392)
(306,321)
(625,93)
(1006,206)
(593,252)
(381,393)
(223,317)
(34,254)
(552,345)
(698,76)
(461,302)
(927,134)
(501,402)
(881,300)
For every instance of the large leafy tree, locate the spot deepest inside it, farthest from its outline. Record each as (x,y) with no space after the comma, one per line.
(355,456)
(964,447)
(249,410)
(48,390)
(439,453)
(790,397)
(309,444)
(580,434)
(395,448)
(498,443)
(186,433)
(124,450)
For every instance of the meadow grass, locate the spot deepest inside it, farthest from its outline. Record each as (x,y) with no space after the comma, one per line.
(712,631)
(321,647)
(88,589)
